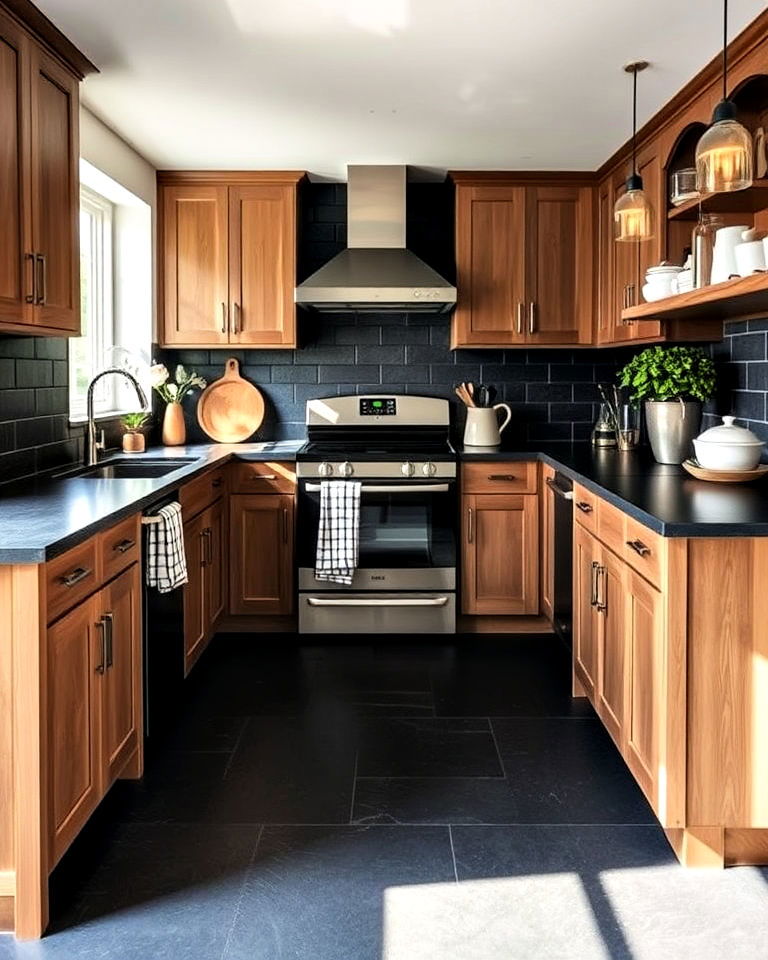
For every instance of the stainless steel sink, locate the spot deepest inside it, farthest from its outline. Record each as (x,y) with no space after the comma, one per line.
(122,468)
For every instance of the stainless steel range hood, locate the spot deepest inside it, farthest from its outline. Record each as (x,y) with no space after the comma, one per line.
(376,273)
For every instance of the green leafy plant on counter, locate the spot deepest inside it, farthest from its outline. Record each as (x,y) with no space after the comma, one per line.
(170,391)
(133,422)
(670,373)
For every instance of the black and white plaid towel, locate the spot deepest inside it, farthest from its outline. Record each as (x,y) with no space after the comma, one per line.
(338,536)
(166,562)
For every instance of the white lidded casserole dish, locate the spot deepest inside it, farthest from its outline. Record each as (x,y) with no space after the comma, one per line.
(728,447)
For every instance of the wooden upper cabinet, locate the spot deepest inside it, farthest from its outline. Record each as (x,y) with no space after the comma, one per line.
(262,265)
(195,261)
(54,193)
(15,242)
(228,259)
(606,312)
(490,266)
(525,263)
(560,264)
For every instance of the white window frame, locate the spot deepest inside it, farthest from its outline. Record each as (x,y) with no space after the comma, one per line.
(101,321)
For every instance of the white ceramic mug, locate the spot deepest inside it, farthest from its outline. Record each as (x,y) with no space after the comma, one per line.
(750,256)
(483,428)
(723,255)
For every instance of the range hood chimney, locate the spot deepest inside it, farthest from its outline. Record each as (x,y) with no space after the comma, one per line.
(376,273)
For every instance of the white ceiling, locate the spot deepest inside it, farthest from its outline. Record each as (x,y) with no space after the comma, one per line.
(317,84)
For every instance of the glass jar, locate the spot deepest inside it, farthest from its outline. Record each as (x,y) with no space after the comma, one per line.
(703,244)
(604,430)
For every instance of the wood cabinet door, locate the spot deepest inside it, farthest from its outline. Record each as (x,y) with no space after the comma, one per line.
(559,264)
(490,264)
(586,560)
(75,651)
(261,553)
(262,270)
(215,564)
(612,638)
(195,604)
(500,538)
(645,686)
(121,689)
(606,300)
(547,543)
(54,193)
(15,239)
(194,252)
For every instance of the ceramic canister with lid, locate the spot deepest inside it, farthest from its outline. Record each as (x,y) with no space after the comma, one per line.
(728,447)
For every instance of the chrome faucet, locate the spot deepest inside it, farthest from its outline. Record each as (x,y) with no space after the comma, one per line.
(92,445)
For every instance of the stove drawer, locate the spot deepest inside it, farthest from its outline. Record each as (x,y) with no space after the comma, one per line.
(411,613)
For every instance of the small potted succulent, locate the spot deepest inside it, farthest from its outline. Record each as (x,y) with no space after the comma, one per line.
(673,382)
(173,392)
(133,438)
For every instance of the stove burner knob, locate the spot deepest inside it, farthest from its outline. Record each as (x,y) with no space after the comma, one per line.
(325,469)
(407,469)
(346,469)
(429,469)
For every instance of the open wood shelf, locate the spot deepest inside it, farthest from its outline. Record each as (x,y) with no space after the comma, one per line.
(734,299)
(751,200)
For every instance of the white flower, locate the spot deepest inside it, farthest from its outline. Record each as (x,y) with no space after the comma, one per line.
(172,390)
(181,375)
(158,374)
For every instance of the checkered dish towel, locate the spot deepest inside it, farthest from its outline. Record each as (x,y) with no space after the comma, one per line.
(166,562)
(338,536)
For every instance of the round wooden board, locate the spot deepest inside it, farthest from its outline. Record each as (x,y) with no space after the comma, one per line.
(230,409)
(724,476)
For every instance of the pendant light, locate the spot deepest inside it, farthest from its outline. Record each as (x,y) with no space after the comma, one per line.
(724,153)
(632,212)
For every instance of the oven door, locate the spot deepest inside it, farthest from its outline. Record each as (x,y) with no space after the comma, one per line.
(407,539)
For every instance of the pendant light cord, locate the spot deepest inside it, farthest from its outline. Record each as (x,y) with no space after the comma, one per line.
(725,49)
(634,121)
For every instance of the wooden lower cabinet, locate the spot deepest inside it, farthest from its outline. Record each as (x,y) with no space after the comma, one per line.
(500,552)
(204,591)
(261,554)
(95,727)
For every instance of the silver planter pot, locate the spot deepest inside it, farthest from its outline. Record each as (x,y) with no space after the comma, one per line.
(672,425)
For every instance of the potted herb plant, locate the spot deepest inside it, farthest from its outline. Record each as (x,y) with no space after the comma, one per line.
(173,392)
(673,382)
(133,438)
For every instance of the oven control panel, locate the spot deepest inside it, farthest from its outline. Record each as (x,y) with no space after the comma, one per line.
(378,407)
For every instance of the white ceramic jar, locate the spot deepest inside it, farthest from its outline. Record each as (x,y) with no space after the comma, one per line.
(659,282)
(728,447)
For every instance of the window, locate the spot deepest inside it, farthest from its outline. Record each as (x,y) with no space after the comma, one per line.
(92,351)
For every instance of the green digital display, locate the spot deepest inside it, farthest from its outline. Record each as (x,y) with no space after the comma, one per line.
(378,403)
(378,407)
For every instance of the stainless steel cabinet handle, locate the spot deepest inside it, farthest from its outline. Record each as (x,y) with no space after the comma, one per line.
(470,525)
(223,317)
(78,574)
(32,297)
(501,476)
(203,549)
(42,262)
(584,506)
(593,584)
(102,625)
(601,580)
(520,308)
(237,320)
(565,494)
(264,476)
(531,317)
(285,524)
(381,488)
(124,546)
(378,602)
(109,632)
(639,547)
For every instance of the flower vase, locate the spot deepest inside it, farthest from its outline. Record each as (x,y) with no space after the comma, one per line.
(174,429)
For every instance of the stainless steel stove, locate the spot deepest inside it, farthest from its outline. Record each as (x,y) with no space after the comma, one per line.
(398,447)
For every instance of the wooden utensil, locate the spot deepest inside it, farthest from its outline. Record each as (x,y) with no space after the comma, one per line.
(230,409)
(724,476)
(463,394)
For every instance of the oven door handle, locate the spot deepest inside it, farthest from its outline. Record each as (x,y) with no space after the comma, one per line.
(392,488)
(377,602)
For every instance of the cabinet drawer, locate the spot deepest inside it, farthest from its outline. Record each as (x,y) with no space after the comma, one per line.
(71,577)
(263,477)
(495,477)
(644,550)
(585,507)
(201,492)
(120,546)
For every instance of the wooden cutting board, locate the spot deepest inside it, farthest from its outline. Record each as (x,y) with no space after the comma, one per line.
(230,409)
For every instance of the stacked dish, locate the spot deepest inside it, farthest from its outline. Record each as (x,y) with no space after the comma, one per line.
(661,282)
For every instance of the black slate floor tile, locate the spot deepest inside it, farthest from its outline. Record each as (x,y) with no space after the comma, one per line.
(434,800)
(322,893)
(427,748)
(568,771)
(207,734)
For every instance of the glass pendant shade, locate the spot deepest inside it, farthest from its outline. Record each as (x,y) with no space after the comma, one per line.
(633,213)
(724,154)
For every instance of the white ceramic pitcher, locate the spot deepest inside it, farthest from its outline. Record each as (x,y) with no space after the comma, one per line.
(483,428)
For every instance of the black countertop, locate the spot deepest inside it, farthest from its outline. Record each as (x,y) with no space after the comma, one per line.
(662,497)
(42,518)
